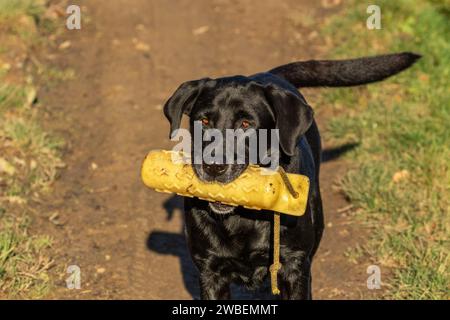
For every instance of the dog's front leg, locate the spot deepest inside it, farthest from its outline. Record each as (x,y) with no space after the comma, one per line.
(296,282)
(213,287)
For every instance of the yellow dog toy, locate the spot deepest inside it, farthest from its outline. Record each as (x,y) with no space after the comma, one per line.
(256,188)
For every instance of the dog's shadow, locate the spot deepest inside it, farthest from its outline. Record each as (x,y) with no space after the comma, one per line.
(175,243)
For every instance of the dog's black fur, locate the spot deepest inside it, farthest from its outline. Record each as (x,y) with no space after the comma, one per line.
(233,244)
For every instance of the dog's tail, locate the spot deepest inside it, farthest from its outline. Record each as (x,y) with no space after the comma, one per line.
(344,73)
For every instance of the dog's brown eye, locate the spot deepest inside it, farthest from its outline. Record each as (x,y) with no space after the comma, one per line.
(245,124)
(205,121)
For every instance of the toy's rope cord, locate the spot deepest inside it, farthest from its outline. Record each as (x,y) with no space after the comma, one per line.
(276,265)
(287,182)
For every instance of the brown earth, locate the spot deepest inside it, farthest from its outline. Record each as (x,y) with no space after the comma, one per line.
(128,58)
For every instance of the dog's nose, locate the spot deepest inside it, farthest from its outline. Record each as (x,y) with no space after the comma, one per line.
(214,170)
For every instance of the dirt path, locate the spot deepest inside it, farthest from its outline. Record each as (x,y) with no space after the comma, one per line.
(126,239)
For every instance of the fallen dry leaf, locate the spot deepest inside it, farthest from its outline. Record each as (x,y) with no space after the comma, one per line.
(330,3)
(33,164)
(19,161)
(7,167)
(424,77)
(65,45)
(54,12)
(15,200)
(54,218)
(200,30)
(31,96)
(6,66)
(400,175)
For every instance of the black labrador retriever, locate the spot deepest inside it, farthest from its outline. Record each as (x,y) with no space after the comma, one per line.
(233,244)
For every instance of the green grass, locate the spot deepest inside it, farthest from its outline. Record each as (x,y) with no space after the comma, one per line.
(23,263)
(11,9)
(29,158)
(36,157)
(11,97)
(400,176)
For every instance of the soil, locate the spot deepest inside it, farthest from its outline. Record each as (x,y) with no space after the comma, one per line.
(128,59)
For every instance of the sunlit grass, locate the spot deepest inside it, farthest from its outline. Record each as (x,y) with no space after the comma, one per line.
(29,158)
(23,263)
(9,9)
(400,175)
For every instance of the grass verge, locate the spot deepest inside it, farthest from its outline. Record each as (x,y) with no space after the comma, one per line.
(400,178)
(29,156)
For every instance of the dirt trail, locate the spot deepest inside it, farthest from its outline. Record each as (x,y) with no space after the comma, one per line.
(128,59)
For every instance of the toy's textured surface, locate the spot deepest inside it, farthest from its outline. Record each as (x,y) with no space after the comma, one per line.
(256,188)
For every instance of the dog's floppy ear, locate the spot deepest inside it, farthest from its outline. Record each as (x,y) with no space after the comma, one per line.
(293,116)
(182,101)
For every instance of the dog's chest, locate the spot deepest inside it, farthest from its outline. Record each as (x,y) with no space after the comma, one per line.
(245,254)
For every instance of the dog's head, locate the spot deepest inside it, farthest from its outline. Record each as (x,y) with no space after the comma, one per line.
(238,103)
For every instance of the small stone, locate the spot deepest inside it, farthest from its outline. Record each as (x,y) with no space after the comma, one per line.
(141,46)
(140,27)
(101,270)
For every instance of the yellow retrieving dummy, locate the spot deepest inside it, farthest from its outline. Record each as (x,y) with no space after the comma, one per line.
(256,188)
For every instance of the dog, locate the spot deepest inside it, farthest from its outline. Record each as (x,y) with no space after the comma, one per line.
(231,244)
